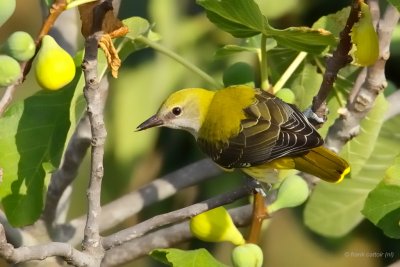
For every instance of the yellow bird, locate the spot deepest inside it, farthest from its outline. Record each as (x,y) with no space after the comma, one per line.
(246,128)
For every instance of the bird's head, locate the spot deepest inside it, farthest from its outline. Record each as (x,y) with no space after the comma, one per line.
(185,109)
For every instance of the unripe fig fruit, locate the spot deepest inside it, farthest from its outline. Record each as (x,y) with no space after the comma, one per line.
(365,49)
(286,95)
(10,70)
(7,8)
(20,46)
(239,73)
(215,225)
(292,192)
(247,255)
(55,68)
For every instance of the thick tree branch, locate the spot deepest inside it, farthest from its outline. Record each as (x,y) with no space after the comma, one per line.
(91,242)
(119,210)
(175,216)
(72,159)
(40,252)
(63,177)
(360,103)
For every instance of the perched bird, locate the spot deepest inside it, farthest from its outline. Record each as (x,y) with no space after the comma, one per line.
(246,128)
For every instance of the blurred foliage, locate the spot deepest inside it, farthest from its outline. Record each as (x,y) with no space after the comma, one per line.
(147,77)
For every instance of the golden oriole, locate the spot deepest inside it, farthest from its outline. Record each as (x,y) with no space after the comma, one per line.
(246,128)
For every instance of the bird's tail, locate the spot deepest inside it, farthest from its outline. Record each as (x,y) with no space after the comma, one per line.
(323,163)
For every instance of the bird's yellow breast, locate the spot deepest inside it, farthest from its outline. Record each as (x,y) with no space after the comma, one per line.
(225,113)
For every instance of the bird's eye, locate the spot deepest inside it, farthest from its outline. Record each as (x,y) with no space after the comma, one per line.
(176,111)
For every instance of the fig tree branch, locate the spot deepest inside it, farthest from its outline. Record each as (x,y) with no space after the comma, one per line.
(65,175)
(156,222)
(338,60)
(121,209)
(40,252)
(91,241)
(164,238)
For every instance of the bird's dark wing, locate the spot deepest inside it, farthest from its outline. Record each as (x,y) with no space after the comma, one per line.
(272,129)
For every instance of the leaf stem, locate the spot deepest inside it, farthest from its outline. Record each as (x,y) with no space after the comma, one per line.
(263,63)
(259,215)
(289,72)
(162,49)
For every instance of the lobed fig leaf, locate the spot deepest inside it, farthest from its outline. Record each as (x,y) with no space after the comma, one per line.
(286,95)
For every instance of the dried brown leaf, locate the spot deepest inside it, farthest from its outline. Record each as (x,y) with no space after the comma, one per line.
(109,25)
(113,60)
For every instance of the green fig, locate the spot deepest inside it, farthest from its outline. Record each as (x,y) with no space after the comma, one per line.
(7,8)
(247,255)
(20,46)
(365,50)
(10,70)
(55,68)
(292,192)
(286,95)
(239,73)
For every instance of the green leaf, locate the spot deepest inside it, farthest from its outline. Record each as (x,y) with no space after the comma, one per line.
(276,9)
(32,138)
(333,22)
(382,206)
(241,18)
(305,39)
(305,85)
(335,209)
(137,26)
(228,50)
(356,151)
(181,258)
(395,3)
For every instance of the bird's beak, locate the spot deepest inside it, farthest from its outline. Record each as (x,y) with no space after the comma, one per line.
(153,121)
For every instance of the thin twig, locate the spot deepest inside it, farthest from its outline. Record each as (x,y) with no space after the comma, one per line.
(160,48)
(338,60)
(175,216)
